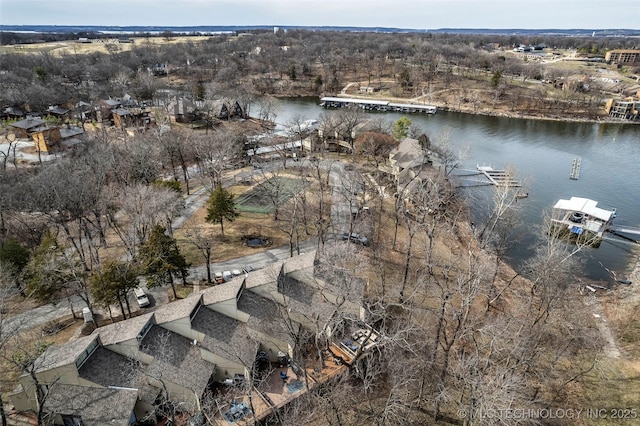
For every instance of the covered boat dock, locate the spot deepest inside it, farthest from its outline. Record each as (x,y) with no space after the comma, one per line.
(372,105)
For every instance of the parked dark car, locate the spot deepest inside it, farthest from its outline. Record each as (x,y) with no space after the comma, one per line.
(355,238)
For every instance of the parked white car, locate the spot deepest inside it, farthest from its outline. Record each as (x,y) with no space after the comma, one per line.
(141,297)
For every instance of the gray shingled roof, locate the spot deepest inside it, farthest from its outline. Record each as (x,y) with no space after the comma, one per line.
(108,368)
(266,316)
(96,406)
(266,275)
(64,354)
(176,310)
(225,336)
(123,330)
(176,359)
(306,297)
(222,292)
(29,123)
(408,154)
(302,261)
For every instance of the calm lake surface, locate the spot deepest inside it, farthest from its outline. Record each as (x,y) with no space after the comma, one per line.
(542,153)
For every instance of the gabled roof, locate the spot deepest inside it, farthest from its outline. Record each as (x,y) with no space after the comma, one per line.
(176,359)
(297,263)
(225,336)
(13,111)
(69,132)
(305,298)
(121,111)
(408,154)
(266,317)
(108,368)
(64,354)
(266,275)
(122,331)
(176,310)
(222,292)
(57,110)
(112,103)
(95,406)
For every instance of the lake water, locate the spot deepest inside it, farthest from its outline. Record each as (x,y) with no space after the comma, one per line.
(541,152)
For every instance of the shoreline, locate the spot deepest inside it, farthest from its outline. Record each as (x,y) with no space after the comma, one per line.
(535,117)
(486,113)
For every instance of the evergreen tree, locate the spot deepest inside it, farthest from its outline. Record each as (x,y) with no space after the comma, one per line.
(112,284)
(47,275)
(221,206)
(401,128)
(14,257)
(160,259)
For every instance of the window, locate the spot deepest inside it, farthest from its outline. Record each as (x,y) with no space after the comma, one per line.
(68,420)
(195,310)
(85,354)
(144,331)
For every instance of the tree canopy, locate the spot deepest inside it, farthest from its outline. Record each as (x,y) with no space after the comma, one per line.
(221,206)
(160,259)
(401,128)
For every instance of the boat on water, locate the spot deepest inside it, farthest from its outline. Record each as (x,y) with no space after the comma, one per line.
(581,219)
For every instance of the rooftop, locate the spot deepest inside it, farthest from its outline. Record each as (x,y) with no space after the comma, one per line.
(108,368)
(96,406)
(222,292)
(266,317)
(225,336)
(176,310)
(586,206)
(64,354)
(28,123)
(264,276)
(176,359)
(122,331)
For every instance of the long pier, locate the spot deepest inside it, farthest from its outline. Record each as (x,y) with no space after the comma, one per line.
(374,105)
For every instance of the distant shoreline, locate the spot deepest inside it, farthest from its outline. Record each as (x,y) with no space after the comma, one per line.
(133,29)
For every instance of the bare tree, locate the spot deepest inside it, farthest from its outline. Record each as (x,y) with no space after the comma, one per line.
(141,208)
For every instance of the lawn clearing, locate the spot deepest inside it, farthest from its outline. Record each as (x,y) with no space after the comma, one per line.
(264,197)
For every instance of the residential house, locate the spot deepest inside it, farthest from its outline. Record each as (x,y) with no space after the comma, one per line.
(26,127)
(225,109)
(12,113)
(53,139)
(407,160)
(104,108)
(180,109)
(159,69)
(59,112)
(211,339)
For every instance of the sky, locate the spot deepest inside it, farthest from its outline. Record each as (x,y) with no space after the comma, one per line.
(409,14)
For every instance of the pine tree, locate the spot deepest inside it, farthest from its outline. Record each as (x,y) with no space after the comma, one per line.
(160,259)
(221,206)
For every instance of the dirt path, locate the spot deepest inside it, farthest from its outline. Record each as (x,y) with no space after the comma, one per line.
(611,349)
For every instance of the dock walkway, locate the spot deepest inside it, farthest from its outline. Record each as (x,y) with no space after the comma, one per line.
(499,177)
(575,169)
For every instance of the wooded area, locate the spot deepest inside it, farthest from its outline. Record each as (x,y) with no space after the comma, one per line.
(462,335)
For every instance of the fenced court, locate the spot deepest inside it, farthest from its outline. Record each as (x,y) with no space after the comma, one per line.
(261,199)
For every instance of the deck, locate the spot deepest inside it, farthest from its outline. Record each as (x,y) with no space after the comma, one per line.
(501,178)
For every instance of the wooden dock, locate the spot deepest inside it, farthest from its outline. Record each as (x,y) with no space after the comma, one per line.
(499,177)
(575,169)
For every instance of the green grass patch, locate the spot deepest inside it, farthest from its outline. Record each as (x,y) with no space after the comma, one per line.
(264,197)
